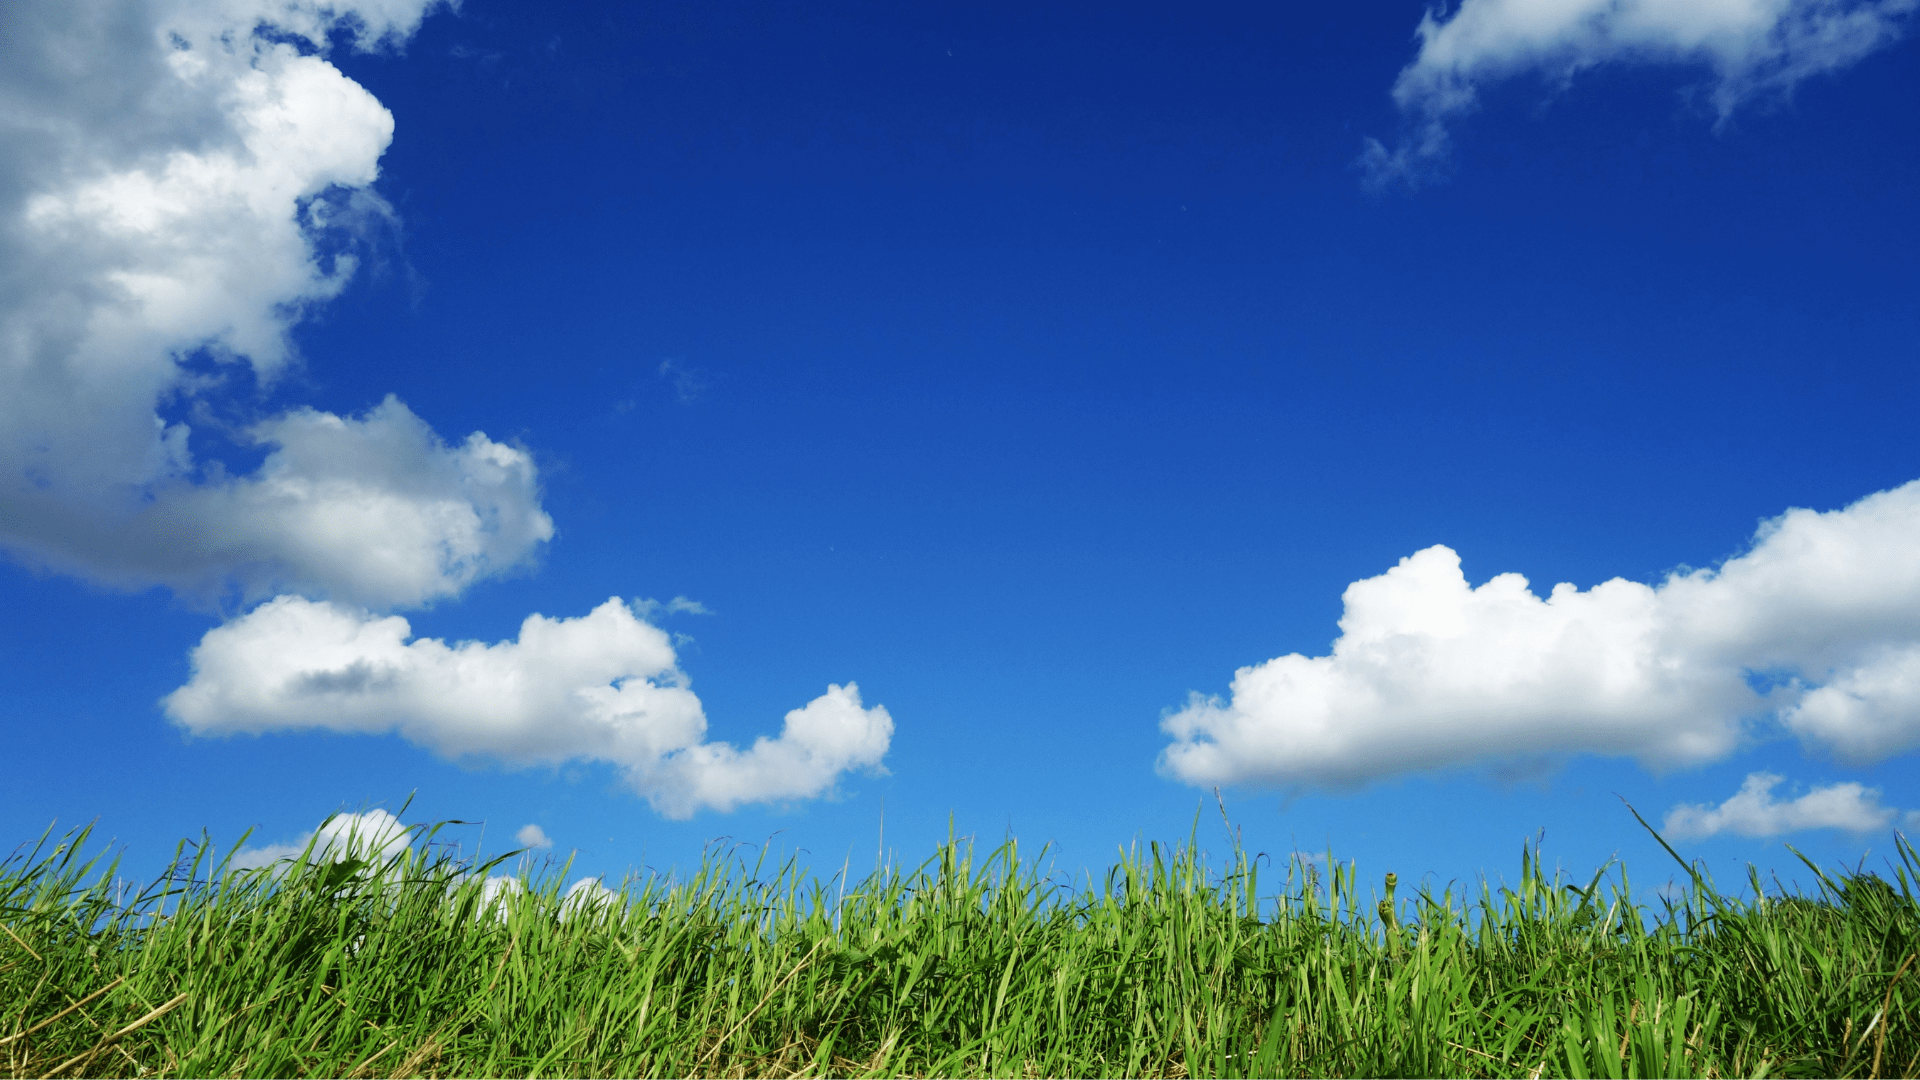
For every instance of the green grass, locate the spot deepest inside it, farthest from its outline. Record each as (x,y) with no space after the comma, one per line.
(961,966)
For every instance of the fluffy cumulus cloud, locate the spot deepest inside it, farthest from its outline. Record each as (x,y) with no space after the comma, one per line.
(378,838)
(533,836)
(1816,629)
(375,836)
(1749,48)
(1866,712)
(604,686)
(1754,812)
(179,184)
(588,898)
(374,509)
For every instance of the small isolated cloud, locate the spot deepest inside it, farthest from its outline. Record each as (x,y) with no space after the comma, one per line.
(1823,611)
(486,57)
(376,836)
(688,382)
(604,686)
(533,836)
(679,605)
(180,185)
(1754,812)
(1750,49)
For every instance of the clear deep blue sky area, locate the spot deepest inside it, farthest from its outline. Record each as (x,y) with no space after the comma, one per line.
(1010,419)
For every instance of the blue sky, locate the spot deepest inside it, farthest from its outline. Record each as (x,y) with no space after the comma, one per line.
(1033,371)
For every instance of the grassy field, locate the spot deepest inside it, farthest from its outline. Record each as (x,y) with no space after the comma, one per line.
(960,966)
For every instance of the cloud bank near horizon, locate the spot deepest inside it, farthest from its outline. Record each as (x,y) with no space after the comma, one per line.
(1752,49)
(379,838)
(1754,813)
(375,836)
(604,686)
(1813,631)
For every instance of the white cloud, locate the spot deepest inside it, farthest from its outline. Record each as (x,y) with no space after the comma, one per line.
(379,838)
(1430,673)
(817,743)
(374,509)
(1751,48)
(533,836)
(375,836)
(173,184)
(604,686)
(586,897)
(1754,812)
(1867,712)
(679,605)
(499,891)
(181,181)
(498,897)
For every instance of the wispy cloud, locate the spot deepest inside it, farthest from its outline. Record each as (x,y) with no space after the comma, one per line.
(679,605)
(689,381)
(1430,673)
(1750,49)
(1754,812)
